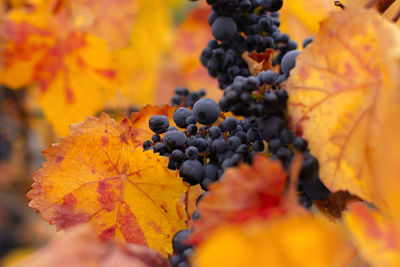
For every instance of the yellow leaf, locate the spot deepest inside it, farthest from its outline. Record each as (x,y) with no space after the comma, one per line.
(284,241)
(301,18)
(182,67)
(377,237)
(341,91)
(101,176)
(74,70)
(139,63)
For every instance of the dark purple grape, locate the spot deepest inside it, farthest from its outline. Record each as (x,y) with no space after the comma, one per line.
(224,28)
(206,111)
(158,123)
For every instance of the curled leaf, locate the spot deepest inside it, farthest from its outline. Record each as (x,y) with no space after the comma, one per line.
(258,62)
(100,175)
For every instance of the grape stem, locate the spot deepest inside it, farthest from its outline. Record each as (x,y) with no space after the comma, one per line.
(396,16)
(339,4)
(380,5)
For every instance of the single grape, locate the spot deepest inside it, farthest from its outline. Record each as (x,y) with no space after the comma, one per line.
(206,111)
(191,171)
(224,28)
(158,123)
(180,116)
(174,139)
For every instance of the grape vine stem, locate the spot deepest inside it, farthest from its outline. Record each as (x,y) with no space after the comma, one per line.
(380,5)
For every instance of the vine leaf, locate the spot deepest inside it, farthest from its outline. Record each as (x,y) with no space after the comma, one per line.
(182,66)
(112,21)
(301,18)
(341,93)
(279,241)
(377,236)
(73,69)
(80,247)
(243,193)
(141,118)
(100,175)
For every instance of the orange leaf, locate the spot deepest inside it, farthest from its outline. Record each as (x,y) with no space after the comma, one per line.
(377,237)
(80,247)
(192,195)
(141,120)
(73,69)
(340,93)
(279,242)
(243,193)
(100,175)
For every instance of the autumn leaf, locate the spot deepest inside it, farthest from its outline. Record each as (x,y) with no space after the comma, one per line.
(69,66)
(182,67)
(258,62)
(141,118)
(80,247)
(243,193)
(139,63)
(341,92)
(100,175)
(377,236)
(301,18)
(282,241)
(112,21)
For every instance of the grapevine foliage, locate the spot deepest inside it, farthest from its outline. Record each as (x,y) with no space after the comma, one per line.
(286,116)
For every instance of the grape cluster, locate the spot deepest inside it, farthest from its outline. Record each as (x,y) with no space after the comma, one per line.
(239,26)
(202,154)
(258,96)
(183,97)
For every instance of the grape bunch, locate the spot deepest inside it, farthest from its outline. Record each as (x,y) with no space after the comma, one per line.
(255,96)
(239,26)
(202,154)
(207,142)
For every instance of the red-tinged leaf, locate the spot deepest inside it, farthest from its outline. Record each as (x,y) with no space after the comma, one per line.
(376,236)
(79,247)
(243,193)
(100,175)
(110,20)
(74,70)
